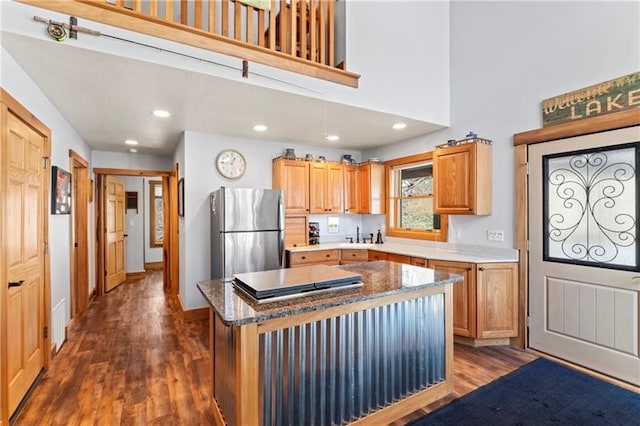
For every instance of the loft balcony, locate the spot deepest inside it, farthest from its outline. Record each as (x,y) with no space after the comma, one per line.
(261,31)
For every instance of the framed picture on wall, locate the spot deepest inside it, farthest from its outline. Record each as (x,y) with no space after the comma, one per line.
(181,197)
(60,191)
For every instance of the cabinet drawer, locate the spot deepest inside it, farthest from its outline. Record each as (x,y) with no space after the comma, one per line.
(354,255)
(377,255)
(419,261)
(398,258)
(320,256)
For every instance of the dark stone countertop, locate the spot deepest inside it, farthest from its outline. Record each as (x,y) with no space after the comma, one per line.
(380,278)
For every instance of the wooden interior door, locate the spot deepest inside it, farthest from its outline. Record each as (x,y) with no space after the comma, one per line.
(80,242)
(25,196)
(114,252)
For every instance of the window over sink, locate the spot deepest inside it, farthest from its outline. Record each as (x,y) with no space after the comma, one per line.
(410,199)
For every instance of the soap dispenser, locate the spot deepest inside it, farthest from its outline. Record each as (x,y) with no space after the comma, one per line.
(379,238)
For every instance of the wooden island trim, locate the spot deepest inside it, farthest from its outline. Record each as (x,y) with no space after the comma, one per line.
(246,374)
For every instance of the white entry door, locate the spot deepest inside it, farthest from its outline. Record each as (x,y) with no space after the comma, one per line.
(584,272)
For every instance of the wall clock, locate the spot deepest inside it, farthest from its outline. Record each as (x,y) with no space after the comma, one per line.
(231,164)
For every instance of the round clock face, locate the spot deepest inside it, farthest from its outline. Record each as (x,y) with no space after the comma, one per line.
(230,164)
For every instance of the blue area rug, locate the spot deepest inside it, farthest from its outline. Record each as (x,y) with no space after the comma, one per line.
(541,393)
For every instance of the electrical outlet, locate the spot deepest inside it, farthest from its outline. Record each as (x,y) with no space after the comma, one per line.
(495,235)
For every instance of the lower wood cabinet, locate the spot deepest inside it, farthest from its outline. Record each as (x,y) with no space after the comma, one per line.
(419,261)
(485,303)
(398,258)
(316,257)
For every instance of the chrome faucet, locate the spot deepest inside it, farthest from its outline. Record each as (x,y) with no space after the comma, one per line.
(357,234)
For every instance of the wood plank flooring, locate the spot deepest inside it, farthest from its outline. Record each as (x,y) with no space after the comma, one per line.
(131,360)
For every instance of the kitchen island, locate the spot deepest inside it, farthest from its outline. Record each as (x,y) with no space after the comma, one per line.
(369,354)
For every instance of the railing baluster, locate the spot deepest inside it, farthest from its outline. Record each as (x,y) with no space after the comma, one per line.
(272,26)
(323,33)
(184,12)
(332,42)
(249,36)
(313,30)
(303,29)
(137,6)
(153,8)
(293,39)
(284,40)
(120,3)
(168,10)
(198,14)
(237,26)
(225,18)
(261,28)
(212,16)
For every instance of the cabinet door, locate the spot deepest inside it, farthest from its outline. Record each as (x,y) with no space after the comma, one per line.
(353,256)
(453,184)
(314,257)
(497,300)
(295,231)
(419,261)
(317,188)
(364,189)
(334,190)
(464,296)
(293,177)
(377,189)
(351,189)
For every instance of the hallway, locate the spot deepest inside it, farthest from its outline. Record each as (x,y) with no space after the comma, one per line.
(129,359)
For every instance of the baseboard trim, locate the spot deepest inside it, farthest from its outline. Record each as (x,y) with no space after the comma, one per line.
(135,275)
(189,315)
(154,266)
(53,350)
(476,343)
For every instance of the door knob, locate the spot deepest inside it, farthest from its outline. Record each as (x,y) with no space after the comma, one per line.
(15,283)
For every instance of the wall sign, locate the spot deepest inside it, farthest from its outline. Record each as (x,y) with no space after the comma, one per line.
(603,98)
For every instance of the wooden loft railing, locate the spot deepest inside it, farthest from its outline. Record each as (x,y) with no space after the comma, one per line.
(269,33)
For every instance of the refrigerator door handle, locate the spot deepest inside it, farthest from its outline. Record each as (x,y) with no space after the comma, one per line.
(282,230)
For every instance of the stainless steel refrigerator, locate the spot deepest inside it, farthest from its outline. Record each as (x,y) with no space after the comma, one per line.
(247,231)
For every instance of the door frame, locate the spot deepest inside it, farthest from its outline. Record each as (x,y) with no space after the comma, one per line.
(10,104)
(521,140)
(79,241)
(170,248)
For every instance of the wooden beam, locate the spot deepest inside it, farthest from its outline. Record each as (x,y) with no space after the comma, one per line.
(616,120)
(129,172)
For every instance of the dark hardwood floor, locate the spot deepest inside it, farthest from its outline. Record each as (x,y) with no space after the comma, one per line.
(131,360)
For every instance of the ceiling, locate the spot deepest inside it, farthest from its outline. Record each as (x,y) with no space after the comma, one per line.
(109,98)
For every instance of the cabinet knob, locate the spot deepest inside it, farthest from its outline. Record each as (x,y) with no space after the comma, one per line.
(328,255)
(481,269)
(303,258)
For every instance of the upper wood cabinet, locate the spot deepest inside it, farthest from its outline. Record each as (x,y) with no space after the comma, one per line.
(462,179)
(293,177)
(364,189)
(326,183)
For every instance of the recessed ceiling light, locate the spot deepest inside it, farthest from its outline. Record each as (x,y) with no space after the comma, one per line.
(260,128)
(399,126)
(332,138)
(131,142)
(161,113)
(134,150)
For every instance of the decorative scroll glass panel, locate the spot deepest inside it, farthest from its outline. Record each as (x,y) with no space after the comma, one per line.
(591,207)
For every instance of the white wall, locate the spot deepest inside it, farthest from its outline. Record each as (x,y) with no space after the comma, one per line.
(201,178)
(506,57)
(63,137)
(406,42)
(151,254)
(125,160)
(134,227)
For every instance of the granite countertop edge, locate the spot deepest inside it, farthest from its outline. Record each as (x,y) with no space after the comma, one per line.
(416,251)
(330,302)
